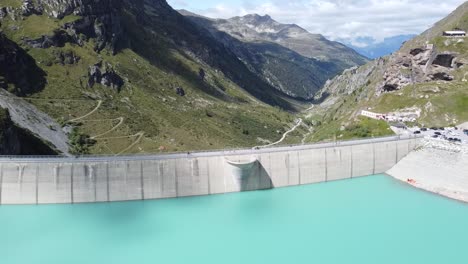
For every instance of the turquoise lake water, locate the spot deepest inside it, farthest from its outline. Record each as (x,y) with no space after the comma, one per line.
(368,220)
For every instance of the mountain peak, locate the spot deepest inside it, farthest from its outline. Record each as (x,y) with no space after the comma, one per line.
(258,17)
(255,19)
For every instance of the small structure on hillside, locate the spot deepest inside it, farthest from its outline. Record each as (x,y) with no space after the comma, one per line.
(454,33)
(376,116)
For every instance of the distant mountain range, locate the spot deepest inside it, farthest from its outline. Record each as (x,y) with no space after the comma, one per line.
(373,50)
(286,56)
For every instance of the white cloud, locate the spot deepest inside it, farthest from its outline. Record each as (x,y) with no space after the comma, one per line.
(344,19)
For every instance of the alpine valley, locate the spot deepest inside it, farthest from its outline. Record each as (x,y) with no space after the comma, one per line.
(136,76)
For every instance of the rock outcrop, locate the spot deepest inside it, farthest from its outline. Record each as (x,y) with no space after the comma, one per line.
(180,91)
(17,141)
(104,73)
(98,19)
(34,122)
(66,57)
(419,65)
(58,39)
(9,141)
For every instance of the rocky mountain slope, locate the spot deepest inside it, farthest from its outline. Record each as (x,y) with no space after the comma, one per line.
(133,76)
(288,57)
(426,79)
(17,141)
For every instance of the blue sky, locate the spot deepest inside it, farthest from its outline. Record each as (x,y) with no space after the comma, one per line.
(336,19)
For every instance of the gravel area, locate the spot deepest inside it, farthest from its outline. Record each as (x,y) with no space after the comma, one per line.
(437,166)
(443,134)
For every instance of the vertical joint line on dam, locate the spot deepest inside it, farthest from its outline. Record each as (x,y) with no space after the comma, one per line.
(299,169)
(176,182)
(95,185)
(396,152)
(352,163)
(161,175)
(142,181)
(287,164)
(71,185)
(37,184)
(107,180)
(208,174)
(326,166)
(127,165)
(1,182)
(373,158)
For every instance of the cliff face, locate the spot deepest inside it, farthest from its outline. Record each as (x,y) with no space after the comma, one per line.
(9,141)
(99,20)
(17,141)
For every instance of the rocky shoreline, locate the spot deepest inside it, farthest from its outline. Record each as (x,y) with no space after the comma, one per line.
(436,166)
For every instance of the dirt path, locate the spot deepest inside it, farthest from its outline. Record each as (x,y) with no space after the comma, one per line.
(121,120)
(283,137)
(140,135)
(88,114)
(304,138)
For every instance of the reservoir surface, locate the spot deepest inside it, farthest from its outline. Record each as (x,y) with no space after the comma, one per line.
(366,220)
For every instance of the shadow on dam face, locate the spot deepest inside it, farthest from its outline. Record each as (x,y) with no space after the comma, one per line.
(249,174)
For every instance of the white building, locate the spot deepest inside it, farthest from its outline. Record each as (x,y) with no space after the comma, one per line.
(455,33)
(373,115)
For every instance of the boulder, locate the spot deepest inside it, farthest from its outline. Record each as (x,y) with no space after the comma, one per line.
(112,79)
(3,12)
(28,8)
(416,51)
(442,76)
(66,57)
(106,76)
(94,75)
(180,91)
(202,74)
(58,39)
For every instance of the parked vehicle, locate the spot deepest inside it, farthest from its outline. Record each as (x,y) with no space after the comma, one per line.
(438,133)
(417,132)
(424,129)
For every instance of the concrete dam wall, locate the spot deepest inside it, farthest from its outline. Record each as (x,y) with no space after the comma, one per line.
(106,179)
